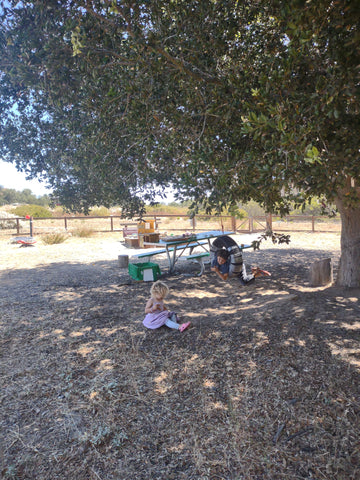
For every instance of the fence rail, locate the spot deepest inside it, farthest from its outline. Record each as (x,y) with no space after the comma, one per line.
(175,223)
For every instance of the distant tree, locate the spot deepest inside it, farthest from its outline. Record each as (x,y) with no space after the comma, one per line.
(43,200)
(8,196)
(26,196)
(228,101)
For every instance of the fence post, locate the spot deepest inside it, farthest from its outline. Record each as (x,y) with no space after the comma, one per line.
(65,223)
(233,224)
(269,222)
(18,226)
(111,223)
(251,224)
(313,223)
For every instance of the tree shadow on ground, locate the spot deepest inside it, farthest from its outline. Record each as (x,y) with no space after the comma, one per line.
(264,384)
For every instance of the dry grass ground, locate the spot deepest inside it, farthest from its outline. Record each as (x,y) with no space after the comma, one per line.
(263,386)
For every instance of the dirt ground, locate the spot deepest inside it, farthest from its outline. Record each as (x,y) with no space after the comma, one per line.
(263,386)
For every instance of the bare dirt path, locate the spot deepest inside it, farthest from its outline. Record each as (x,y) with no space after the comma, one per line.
(264,385)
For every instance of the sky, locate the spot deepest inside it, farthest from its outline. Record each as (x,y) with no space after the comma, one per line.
(11,178)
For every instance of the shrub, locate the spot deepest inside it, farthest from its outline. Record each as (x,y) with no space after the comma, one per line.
(116,211)
(54,238)
(313,207)
(99,212)
(166,209)
(83,232)
(36,211)
(237,212)
(252,209)
(10,221)
(58,211)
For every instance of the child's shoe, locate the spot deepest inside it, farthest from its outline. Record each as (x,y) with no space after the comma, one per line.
(246,282)
(184,326)
(242,281)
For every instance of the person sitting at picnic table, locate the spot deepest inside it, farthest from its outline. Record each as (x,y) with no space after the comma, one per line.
(221,265)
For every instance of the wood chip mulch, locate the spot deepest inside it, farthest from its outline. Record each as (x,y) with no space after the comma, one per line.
(263,386)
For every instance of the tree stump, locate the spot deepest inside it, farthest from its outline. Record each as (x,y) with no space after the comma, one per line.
(321,272)
(123,261)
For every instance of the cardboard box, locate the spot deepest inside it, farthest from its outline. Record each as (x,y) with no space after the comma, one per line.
(146,227)
(132,242)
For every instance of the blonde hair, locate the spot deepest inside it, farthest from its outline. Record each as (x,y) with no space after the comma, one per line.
(160,289)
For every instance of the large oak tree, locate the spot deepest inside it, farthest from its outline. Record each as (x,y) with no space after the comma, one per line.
(111,101)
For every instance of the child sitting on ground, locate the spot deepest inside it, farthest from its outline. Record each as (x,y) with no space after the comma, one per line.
(157,314)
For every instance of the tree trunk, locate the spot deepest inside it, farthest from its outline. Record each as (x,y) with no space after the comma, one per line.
(321,272)
(349,267)
(123,261)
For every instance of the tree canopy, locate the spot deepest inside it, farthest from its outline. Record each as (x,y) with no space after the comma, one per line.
(112,101)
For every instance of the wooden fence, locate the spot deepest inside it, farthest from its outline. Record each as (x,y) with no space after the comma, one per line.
(175,223)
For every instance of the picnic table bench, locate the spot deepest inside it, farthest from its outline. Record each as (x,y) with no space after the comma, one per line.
(129,229)
(198,257)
